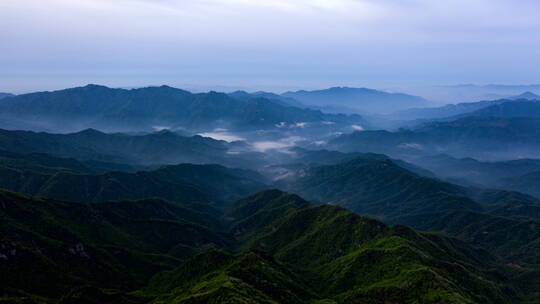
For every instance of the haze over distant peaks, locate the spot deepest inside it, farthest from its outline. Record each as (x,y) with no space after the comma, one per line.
(285,101)
(471,92)
(526,95)
(360,99)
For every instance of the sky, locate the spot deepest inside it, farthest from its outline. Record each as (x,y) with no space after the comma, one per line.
(274,45)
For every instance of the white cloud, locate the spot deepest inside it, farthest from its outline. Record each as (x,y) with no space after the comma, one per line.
(222,134)
(299,125)
(281,145)
(160,128)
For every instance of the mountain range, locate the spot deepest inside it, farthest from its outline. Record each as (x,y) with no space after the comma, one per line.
(517,108)
(379,188)
(494,174)
(447,110)
(164,147)
(285,101)
(486,138)
(526,95)
(187,183)
(129,196)
(283,256)
(361,100)
(152,108)
(472,92)
(468,108)
(183,238)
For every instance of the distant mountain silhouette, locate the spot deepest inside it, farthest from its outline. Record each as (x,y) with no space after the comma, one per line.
(360,99)
(517,108)
(284,101)
(449,110)
(471,92)
(526,95)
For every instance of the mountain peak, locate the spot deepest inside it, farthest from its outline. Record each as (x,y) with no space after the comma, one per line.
(526,95)
(89,131)
(239,92)
(94,86)
(165,132)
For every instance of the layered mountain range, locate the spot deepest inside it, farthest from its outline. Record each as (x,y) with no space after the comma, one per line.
(112,196)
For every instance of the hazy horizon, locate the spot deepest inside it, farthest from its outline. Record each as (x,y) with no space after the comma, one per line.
(197,88)
(435,95)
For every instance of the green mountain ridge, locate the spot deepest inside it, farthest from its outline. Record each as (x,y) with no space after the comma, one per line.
(46,163)
(379,188)
(280,249)
(178,183)
(503,222)
(50,247)
(330,245)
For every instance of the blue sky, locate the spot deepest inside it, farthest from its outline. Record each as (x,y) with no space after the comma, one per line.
(272,45)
